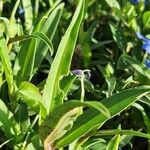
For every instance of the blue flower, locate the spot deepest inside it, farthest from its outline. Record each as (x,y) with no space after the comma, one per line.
(85,73)
(147,63)
(78,72)
(146,45)
(134,1)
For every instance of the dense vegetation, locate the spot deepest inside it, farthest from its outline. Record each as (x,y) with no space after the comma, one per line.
(74,74)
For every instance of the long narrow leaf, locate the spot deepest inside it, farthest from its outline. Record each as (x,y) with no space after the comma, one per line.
(7,122)
(59,121)
(25,61)
(49,28)
(121,132)
(6,62)
(24,66)
(61,64)
(29,94)
(114,143)
(91,118)
(28,13)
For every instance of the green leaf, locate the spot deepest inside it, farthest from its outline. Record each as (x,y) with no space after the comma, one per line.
(143,73)
(26,63)
(91,118)
(22,117)
(114,143)
(145,116)
(146,19)
(66,83)
(113,4)
(35,50)
(58,122)
(61,63)
(28,13)
(108,73)
(7,122)
(121,132)
(29,94)
(61,119)
(99,106)
(48,28)
(38,35)
(6,63)
(118,36)
(95,144)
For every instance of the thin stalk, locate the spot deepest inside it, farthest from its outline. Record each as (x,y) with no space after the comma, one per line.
(36,8)
(82,89)
(28,133)
(75,145)
(15,9)
(1,7)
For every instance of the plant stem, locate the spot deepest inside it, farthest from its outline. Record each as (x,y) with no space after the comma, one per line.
(15,9)
(82,89)
(36,8)
(1,7)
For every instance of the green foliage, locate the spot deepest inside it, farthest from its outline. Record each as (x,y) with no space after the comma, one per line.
(52,94)
(73,74)
(91,118)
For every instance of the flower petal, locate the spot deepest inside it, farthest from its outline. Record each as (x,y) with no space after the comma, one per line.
(140,36)
(146,46)
(147,63)
(78,72)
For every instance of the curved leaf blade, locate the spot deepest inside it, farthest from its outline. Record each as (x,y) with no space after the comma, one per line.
(114,143)
(24,65)
(49,28)
(29,94)
(91,118)
(61,119)
(6,62)
(61,63)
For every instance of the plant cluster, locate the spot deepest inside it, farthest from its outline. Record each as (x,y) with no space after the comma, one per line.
(74,74)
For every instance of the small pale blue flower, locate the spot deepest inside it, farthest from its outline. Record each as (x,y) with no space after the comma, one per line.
(78,72)
(146,45)
(86,73)
(20,11)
